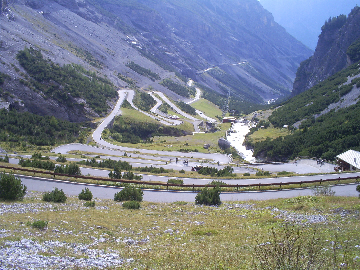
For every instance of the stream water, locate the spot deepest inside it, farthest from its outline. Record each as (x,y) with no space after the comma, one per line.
(236,137)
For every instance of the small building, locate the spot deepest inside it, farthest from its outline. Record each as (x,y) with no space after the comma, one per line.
(229,120)
(349,161)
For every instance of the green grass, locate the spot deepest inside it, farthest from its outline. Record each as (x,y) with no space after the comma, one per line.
(195,141)
(140,117)
(208,108)
(137,116)
(186,236)
(271,133)
(169,143)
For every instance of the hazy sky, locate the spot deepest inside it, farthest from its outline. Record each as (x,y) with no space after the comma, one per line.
(304,18)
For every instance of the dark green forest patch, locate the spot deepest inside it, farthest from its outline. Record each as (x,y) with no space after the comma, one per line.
(143,71)
(126,130)
(26,128)
(178,88)
(66,82)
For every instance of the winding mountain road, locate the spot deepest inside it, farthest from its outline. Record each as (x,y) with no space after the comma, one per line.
(223,159)
(159,157)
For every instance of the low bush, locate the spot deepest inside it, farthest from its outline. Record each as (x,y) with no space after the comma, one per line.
(4,159)
(61,159)
(283,173)
(227,171)
(37,163)
(217,183)
(131,176)
(152,169)
(175,181)
(246,174)
(131,205)
(85,195)
(208,196)
(297,247)
(89,204)
(263,173)
(358,188)
(37,155)
(129,193)
(324,190)
(39,224)
(57,196)
(11,187)
(70,169)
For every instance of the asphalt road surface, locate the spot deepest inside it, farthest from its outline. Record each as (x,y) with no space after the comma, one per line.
(105,192)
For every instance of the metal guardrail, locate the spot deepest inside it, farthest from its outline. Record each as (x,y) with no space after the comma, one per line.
(193,186)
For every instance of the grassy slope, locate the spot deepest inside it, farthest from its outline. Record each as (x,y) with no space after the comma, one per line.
(190,142)
(208,108)
(271,133)
(224,237)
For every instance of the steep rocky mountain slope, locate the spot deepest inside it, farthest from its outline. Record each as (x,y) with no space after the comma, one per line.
(330,55)
(234,48)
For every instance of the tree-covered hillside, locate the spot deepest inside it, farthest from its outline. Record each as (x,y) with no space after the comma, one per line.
(25,129)
(65,83)
(325,120)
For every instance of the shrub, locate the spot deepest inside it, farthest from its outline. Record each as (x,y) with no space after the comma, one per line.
(11,187)
(5,159)
(39,224)
(36,155)
(89,204)
(131,176)
(129,193)
(56,195)
(323,191)
(131,205)
(37,163)
(358,188)
(176,181)
(61,159)
(208,196)
(295,247)
(217,183)
(85,195)
(70,169)
(116,174)
(283,173)
(263,173)
(246,174)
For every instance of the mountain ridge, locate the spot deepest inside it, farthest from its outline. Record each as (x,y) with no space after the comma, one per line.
(330,55)
(178,43)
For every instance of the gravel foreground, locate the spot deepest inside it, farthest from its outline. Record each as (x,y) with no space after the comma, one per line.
(28,253)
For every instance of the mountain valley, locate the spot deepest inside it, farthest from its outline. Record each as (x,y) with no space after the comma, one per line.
(170,39)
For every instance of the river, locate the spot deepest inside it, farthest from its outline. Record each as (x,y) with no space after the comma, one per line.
(236,137)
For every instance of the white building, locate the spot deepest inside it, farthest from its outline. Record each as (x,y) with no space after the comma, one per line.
(349,161)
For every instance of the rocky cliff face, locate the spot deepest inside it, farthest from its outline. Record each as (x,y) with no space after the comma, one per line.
(231,47)
(331,52)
